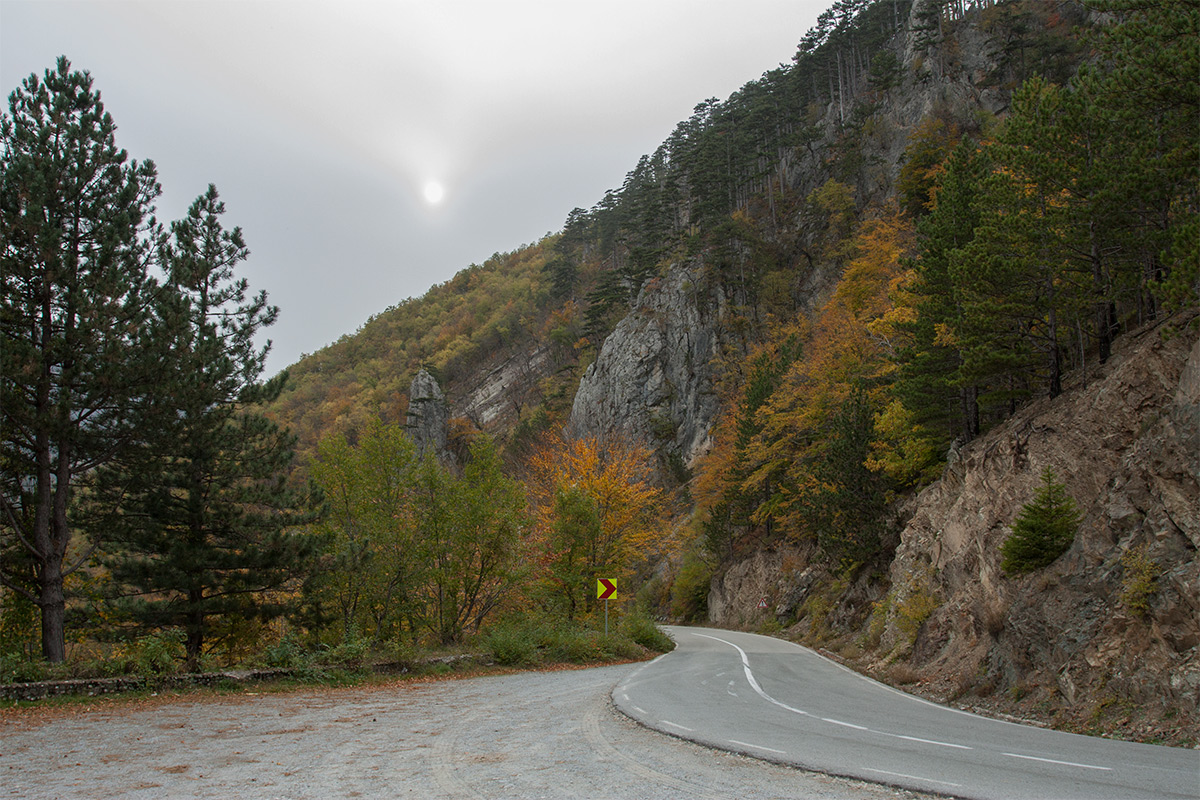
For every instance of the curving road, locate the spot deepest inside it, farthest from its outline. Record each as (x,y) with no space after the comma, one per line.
(784,703)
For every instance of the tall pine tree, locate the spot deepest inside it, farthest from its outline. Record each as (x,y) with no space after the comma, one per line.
(75,241)
(200,511)
(930,359)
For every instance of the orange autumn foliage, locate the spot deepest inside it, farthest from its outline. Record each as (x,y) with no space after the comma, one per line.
(624,507)
(849,346)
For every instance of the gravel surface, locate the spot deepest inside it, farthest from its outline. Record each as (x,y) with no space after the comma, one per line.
(526,735)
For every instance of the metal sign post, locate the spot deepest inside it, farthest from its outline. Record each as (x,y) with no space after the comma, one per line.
(606,589)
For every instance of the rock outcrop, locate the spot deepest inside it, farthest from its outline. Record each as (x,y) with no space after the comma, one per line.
(652,381)
(428,415)
(497,397)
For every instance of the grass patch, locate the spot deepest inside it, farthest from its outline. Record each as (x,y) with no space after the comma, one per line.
(1139,582)
(528,642)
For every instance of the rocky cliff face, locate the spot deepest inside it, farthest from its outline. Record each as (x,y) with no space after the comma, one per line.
(1072,636)
(652,381)
(496,398)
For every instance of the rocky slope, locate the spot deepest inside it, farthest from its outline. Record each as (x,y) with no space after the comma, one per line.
(1105,638)
(1073,638)
(653,378)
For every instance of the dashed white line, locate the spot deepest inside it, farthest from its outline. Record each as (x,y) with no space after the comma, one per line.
(759,690)
(846,724)
(1062,763)
(670,724)
(639,710)
(758,747)
(932,741)
(911,777)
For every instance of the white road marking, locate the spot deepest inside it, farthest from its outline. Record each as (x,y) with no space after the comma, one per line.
(1063,763)
(757,747)
(639,710)
(911,777)
(750,676)
(931,741)
(759,690)
(846,724)
(675,725)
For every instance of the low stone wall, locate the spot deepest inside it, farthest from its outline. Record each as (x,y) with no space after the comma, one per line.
(91,687)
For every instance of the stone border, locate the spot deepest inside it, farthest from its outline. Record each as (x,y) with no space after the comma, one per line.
(91,687)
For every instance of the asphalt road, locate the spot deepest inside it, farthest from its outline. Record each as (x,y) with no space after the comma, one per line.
(784,703)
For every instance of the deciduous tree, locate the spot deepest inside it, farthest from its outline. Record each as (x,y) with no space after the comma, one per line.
(598,514)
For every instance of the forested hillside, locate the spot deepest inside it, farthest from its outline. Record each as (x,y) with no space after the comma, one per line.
(932,215)
(764,188)
(457,330)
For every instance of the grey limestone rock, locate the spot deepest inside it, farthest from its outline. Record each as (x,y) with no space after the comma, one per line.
(652,382)
(428,414)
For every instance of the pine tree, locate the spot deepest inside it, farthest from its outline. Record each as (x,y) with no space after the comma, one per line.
(75,238)
(1152,97)
(930,360)
(1044,529)
(1021,286)
(847,508)
(199,513)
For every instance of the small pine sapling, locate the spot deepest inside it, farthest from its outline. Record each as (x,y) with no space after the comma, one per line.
(1044,529)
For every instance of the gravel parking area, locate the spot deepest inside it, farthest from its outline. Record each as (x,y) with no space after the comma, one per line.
(526,735)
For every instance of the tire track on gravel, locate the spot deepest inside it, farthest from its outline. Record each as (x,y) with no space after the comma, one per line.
(591,727)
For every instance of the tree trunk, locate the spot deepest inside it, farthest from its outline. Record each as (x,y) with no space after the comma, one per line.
(969,401)
(195,629)
(53,605)
(1102,308)
(1055,356)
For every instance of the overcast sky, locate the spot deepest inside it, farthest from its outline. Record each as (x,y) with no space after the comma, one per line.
(331,128)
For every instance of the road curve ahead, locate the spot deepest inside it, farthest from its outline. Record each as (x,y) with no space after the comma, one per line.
(785,703)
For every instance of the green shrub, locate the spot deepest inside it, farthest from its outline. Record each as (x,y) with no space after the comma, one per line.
(913,610)
(644,632)
(573,645)
(876,623)
(620,646)
(526,642)
(16,668)
(512,645)
(158,653)
(1139,581)
(689,592)
(287,653)
(1044,529)
(351,653)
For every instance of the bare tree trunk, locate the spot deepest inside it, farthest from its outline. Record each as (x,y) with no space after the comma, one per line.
(195,629)
(1055,355)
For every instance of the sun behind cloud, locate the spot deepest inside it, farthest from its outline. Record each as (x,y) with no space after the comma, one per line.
(433,192)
